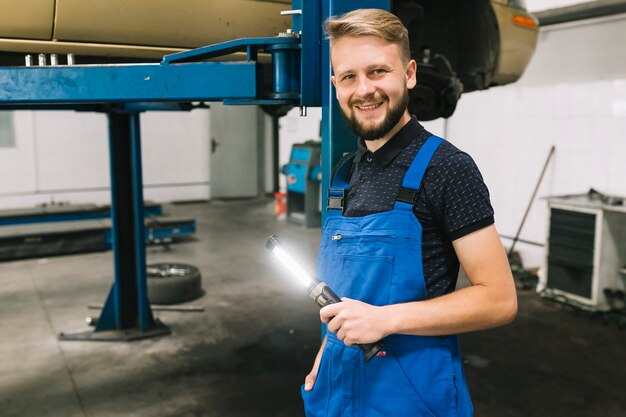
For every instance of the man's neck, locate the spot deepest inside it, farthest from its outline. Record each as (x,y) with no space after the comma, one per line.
(376,144)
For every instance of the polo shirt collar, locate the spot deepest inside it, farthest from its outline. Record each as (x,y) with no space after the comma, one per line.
(394,146)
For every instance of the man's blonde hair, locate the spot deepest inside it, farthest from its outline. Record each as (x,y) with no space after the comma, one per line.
(370,22)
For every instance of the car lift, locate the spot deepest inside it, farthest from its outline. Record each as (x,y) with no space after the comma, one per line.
(300,76)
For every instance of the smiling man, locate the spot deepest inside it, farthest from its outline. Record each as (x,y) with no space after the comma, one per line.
(407,209)
(372,86)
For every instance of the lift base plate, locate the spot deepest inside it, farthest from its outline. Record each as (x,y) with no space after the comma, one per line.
(126,335)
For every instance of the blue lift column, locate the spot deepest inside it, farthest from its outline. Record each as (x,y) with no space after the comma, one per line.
(317,89)
(337,140)
(126,314)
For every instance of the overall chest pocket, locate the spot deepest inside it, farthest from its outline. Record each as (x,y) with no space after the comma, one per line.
(364,277)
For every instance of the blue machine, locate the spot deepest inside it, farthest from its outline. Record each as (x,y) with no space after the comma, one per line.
(301,77)
(304,176)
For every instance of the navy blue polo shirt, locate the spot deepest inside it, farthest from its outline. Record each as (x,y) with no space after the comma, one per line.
(453,199)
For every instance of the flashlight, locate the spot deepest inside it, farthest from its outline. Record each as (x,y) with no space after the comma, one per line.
(317,290)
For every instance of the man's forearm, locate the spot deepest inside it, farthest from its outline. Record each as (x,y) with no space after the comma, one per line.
(469,309)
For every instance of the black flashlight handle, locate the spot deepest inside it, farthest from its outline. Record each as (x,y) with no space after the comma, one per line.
(325,296)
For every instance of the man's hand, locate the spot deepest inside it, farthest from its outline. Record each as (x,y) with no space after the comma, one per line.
(355,322)
(309,380)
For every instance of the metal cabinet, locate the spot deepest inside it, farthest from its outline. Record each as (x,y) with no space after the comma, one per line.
(586,250)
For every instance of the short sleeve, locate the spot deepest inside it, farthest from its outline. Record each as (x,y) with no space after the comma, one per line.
(457,195)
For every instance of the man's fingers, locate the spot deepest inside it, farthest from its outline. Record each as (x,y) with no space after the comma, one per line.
(341,334)
(334,325)
(309,382)
(330,311)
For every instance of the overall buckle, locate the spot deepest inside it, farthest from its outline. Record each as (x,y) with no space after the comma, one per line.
(407,196)
(335,198)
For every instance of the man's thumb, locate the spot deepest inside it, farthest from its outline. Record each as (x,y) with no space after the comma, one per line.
(309,381)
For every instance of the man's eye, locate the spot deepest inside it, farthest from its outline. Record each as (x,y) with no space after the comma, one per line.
(348,77)
(378,71)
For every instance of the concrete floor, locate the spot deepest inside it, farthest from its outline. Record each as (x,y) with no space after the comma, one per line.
(248,352)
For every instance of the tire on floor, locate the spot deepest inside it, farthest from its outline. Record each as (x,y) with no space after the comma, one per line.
(172,283)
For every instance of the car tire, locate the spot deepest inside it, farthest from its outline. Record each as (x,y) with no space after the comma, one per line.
(172,283)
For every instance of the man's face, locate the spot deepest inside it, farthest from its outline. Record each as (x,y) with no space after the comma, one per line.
(372,82)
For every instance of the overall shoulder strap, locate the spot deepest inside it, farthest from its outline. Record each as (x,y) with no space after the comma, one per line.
(339,185)
(409,191)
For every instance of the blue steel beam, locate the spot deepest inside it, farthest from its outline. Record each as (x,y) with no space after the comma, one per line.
(52,217)
(336,138)
(122,309)
(197,81)
(250,45)
(310,27)
(163,232)
(126,313)
(145,313)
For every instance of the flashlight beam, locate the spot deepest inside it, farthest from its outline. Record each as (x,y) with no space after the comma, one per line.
(318,291)
(288,262)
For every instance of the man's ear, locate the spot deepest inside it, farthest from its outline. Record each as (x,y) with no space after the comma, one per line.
(333,80)
(411,74)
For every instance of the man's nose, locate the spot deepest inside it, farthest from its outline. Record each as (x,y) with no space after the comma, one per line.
(365,87)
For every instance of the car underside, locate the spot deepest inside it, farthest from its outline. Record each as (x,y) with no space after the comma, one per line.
(458,45)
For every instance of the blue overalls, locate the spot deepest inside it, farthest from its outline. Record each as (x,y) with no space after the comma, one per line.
(378,259)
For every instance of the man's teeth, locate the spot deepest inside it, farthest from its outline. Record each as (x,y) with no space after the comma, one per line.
(369,107)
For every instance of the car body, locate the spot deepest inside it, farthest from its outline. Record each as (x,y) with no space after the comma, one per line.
(463,46)
(132,29)
(518,31)
(460,46)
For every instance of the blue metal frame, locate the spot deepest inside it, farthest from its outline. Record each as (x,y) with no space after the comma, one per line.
(336,138)
(123,91)
(309,26)
(68,217)
(145,313)
(127,305)
(160,233)
(177,78)
(128,83)
(251,46)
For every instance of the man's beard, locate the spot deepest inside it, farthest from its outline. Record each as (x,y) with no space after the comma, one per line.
(391,119)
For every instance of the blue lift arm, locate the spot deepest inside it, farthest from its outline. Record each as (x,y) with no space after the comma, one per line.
(181,77)
(127,83)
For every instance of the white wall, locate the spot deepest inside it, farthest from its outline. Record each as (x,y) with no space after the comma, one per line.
(573,95)
(64,156)
(176,155)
